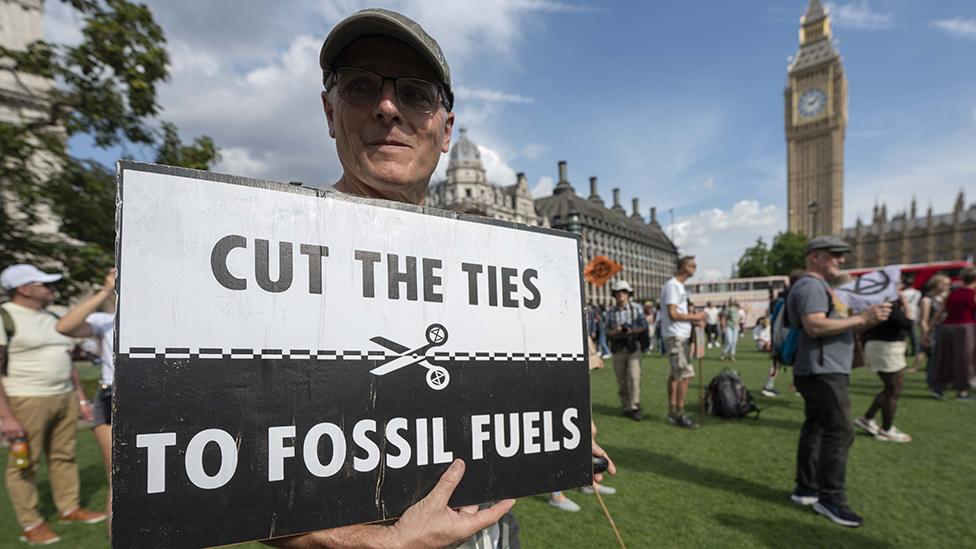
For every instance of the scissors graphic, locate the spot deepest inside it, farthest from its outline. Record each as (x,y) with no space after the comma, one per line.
(437,376)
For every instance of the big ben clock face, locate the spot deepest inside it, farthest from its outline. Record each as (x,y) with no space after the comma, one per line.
(812,102)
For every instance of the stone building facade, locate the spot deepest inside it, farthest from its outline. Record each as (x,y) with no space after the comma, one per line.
(911,238)
(648,256)
(646,253)
(468,190)
(816,119)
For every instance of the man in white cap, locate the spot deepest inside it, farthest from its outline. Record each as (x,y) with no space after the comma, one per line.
(40,397)
(625,324)
(388,101)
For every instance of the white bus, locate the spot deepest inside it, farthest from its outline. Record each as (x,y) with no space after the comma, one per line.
(753,294)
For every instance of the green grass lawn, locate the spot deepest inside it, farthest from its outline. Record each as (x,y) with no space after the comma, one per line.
(724,485)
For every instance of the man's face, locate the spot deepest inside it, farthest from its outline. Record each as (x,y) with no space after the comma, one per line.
(827,264)
(389,148)
(690,267)
(622,298)
(43,293)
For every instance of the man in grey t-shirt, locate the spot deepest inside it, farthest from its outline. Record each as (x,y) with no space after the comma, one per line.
(822,366)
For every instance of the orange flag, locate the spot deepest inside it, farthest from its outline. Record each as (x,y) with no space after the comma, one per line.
(599,270)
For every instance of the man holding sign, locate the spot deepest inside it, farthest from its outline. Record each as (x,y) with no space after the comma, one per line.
(260,410)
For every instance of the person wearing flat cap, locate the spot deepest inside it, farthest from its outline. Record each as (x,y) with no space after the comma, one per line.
(388,99)
(821,370)
(40,400)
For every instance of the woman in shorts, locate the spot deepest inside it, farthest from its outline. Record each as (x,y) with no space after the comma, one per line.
(884,354)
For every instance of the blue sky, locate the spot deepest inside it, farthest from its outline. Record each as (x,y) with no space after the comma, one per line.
(679,104)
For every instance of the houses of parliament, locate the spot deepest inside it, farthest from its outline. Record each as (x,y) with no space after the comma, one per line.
(815,123)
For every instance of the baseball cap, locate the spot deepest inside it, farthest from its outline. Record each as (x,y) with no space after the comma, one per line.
(392,24)
(22,274)
(621,286)
(830,243)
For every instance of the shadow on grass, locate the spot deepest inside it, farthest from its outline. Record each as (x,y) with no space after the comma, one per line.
(776,423)
(671,467)
(781,533)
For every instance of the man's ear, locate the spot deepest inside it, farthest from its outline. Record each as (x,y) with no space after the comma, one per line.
(329,113)
(448,127)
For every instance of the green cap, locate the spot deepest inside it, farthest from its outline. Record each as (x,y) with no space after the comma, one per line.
(392,24)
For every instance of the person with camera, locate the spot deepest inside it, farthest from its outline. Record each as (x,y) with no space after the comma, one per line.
(625,324)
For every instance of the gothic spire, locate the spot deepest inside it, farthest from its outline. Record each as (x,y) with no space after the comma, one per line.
(815,11)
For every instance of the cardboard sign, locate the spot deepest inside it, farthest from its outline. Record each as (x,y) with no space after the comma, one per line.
(292,359)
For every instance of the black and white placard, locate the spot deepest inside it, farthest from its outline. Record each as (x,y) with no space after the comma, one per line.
(292,359)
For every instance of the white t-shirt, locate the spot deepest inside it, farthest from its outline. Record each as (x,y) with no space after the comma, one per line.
(761,333)
(39,359)
(711,315)
(914,299)
(674,293)
(102,327)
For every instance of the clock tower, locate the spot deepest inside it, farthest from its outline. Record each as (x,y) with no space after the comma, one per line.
(816,117)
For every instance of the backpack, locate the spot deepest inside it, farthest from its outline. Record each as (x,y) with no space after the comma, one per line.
(8,329)
(784,338)
(728,397)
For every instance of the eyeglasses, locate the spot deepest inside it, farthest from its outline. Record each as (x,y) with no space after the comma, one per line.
(415,95)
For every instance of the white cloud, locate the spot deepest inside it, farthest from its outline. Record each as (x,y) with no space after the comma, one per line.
(718,237)
(859,15)
(543,187)
(466,93)
(533,151)
(496,169)
(963,28)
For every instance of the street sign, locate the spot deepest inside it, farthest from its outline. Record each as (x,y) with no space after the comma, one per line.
(291,359)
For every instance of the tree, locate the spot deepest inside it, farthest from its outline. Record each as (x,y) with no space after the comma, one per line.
(787,253)
(755,260)
(105,88)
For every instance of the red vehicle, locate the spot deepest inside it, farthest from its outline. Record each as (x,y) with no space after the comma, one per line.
(922,271)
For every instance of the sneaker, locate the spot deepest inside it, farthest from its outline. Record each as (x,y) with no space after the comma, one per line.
(39,535)
(839,514)
(634,414)
(82,516)
(804,497)
(672,419)
(868,425)
(722,357)
(605,357)
(732,358)
(686,422)
(771,392)
(564,504)
(604,490)
(965,397)
(937,395)
(892,435)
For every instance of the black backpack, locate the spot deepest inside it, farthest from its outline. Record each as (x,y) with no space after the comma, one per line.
(728,397)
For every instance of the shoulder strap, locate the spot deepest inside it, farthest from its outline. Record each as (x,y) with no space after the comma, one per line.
(8,323)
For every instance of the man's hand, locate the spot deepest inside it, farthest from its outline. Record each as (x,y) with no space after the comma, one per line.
(108,285)
(431,523)
(600,452)
(876,314)
(11,428)
(85,410)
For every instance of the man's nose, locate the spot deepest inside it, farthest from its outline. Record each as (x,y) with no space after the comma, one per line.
(387,107)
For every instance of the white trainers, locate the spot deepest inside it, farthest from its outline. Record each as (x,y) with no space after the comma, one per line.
(892,435)
(604,490)
(868,425)
(565,504)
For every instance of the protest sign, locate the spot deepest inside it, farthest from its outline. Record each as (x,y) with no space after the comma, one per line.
(291,359)
(870,289)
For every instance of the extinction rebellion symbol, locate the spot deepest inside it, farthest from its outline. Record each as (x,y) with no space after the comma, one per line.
(437,376)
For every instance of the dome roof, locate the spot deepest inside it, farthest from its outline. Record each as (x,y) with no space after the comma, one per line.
(464,153)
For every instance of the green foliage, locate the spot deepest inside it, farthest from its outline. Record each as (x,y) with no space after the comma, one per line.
(755,260)
(784,256)
(105,88)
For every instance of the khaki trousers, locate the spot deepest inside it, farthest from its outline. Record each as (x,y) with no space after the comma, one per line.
(51,423)
(627,367)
